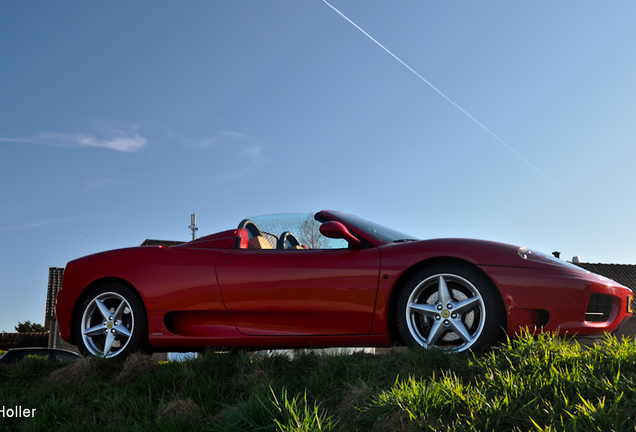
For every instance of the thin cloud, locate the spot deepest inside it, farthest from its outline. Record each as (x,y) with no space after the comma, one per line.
(122,144)
(40,224)
(202,143)
(252,160)
(98,184)
(62,220)
(16,140)
(117,139)
(235,135)
(221,137)
(118,143)
(245,159)
(255,155)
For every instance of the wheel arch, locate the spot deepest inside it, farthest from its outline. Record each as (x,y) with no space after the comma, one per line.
(103,281)
(408,274)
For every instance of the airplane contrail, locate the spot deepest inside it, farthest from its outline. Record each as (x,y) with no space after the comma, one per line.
(443,95)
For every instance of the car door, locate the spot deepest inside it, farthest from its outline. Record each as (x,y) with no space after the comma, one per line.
(300,292)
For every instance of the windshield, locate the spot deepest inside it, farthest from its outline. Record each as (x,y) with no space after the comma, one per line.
(376,230)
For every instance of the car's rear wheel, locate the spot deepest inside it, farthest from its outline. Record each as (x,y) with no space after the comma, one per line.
(449,306)
(110,322)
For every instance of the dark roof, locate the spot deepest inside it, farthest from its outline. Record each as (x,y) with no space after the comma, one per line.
(150,242)
(624,274)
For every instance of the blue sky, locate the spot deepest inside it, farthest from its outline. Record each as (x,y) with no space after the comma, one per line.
(118,119)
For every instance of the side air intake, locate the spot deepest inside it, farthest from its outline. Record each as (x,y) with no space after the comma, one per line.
(598,308)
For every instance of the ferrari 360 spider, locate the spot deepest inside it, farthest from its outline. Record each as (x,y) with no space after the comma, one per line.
(296,281)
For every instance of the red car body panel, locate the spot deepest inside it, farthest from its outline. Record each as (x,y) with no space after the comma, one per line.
(526,288)
(300,292)
(214,292)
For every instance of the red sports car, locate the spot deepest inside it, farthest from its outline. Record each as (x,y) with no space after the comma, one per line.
(285,281)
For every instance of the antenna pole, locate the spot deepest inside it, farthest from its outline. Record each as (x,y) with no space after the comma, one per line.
(193,225)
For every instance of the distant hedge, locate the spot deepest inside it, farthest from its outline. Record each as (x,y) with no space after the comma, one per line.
(20,340)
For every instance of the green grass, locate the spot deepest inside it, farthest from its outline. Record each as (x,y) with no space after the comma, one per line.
(530,384)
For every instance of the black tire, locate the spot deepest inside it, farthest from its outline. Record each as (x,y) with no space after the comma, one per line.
(110,322)
(450,306)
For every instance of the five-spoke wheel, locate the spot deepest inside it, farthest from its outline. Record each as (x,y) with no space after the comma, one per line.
(449,306)
(110,322)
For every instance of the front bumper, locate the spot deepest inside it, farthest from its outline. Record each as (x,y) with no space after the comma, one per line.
(561,301)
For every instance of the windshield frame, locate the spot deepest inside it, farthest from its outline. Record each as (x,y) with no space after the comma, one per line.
(366,228)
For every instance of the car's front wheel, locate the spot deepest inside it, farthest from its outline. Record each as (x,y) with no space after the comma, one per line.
(449,306)
(110,322)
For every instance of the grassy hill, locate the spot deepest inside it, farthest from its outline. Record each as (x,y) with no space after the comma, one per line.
(530,384)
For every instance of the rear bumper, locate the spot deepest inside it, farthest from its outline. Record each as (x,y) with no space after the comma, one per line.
(66,300)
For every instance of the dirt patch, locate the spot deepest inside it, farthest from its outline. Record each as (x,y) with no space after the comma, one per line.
(177,408)
(75,373)
(134,366)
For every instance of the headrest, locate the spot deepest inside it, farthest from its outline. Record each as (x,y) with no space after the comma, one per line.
(259,242)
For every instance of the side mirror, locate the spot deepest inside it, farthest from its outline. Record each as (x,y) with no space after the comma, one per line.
(337,230)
